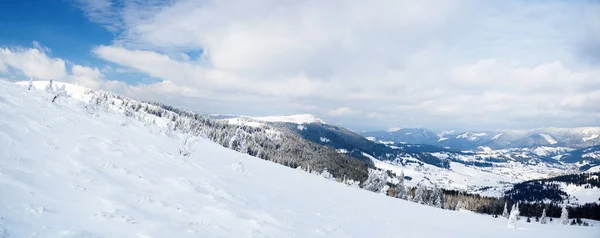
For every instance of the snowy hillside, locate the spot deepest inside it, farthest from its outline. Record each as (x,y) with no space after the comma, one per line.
(68,173)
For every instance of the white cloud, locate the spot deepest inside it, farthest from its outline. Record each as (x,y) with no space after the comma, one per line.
(33,63)
(340,111)
(399,63)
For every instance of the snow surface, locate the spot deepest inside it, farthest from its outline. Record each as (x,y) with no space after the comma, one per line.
(548,138)
(497,136)
(66,173)
(591,137)
(583,195)
(471,135)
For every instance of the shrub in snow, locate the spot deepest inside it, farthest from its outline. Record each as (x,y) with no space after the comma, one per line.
(57,93)
(185,146)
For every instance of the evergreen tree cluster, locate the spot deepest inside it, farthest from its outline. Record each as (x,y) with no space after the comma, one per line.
(473,202)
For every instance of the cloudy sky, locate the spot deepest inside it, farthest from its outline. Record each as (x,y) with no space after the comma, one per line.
(472,64)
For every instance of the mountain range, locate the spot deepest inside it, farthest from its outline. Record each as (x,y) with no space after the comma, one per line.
(576,138)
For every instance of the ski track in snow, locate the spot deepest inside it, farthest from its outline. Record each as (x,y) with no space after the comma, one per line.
(66,173)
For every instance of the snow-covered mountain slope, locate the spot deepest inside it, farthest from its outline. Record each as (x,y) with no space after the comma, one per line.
(68,173)
(259,139)
(573,188)
(257,121)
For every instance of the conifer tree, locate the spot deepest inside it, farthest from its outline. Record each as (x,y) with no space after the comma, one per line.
(564,215)
(505,212)
(419,194)
(401,191)
(512,218)
(544,219)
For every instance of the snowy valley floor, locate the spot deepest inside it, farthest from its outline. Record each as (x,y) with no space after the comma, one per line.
(67,173)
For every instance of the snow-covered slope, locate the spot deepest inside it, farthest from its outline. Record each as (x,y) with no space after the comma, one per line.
(256,121)
(66,173)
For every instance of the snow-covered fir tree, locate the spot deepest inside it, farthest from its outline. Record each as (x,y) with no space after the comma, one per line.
(505,211)
(437,197)
(564,215)
(543,219)
(419,194)
(376,182)
(516,209)
(513,217)
(401,191)
(327,175)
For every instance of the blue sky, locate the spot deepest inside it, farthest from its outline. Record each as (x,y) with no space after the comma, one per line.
(450,64)
(56,24)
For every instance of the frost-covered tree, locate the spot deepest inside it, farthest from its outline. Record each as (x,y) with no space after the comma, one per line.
(505,211)
(543,219)
(327,175)
(515,209)
(376,181)
(49,87)
(401,191)
(513,217)
(419,194)
(564,215)
(58,93)
(437,198)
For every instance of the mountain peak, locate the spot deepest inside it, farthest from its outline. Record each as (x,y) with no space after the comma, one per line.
(394,129)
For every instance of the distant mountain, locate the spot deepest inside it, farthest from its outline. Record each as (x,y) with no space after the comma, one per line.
(588,158)
(576,138)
